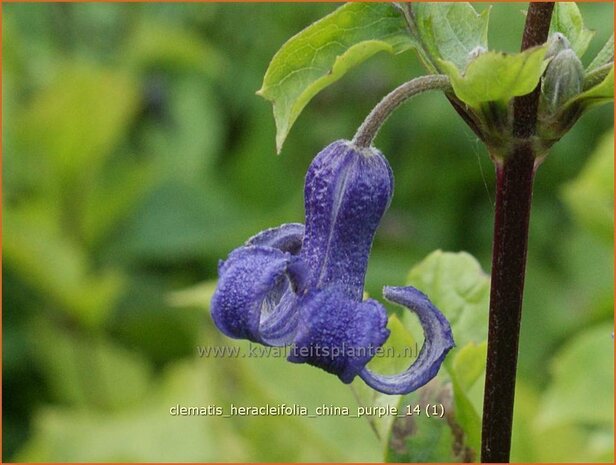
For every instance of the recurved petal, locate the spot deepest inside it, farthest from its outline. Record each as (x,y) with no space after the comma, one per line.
(437,342)
(249,301)
(287,237)
(337,333)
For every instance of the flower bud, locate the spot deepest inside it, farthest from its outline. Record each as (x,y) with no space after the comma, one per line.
(564,78)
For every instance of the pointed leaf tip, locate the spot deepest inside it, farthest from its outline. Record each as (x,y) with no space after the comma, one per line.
(323,52)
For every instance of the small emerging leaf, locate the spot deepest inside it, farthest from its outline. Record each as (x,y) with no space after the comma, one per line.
(496,76)
(451,31)
(324,51)
(568,20)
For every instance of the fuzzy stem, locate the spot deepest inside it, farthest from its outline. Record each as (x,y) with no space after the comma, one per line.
(370,127)
(515,174)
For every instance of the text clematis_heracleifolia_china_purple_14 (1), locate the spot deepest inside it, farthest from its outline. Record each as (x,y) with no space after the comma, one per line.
(303,286)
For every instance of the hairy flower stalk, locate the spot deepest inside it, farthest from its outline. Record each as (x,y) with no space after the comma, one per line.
(303,286)
(370,127)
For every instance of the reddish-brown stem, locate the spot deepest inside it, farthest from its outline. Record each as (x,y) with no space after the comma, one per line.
(515,172)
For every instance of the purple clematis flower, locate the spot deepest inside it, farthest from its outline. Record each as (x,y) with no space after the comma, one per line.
(303,286)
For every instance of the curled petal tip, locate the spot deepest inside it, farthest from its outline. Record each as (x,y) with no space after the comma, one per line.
(438,342)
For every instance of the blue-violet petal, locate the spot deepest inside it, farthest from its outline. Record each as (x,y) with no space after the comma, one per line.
(437,342)
(337,333)
(287,238)
(249,295)
(347,191)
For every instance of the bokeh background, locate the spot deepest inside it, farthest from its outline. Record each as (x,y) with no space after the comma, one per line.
(136,154)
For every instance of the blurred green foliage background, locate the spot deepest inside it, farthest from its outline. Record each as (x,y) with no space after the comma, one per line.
(135,155)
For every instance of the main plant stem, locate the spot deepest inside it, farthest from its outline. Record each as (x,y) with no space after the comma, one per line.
(514,178)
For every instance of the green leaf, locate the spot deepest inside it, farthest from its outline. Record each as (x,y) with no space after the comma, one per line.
(450,31)
(460,289)
(456,284)
(324,51)
(467,418)
(496,76)
(523,437)
(468,366)
(605,55)
(597,76)
(568,20)
(470,363)
(591,195)
(575,107)
(574,444)
(582,390)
